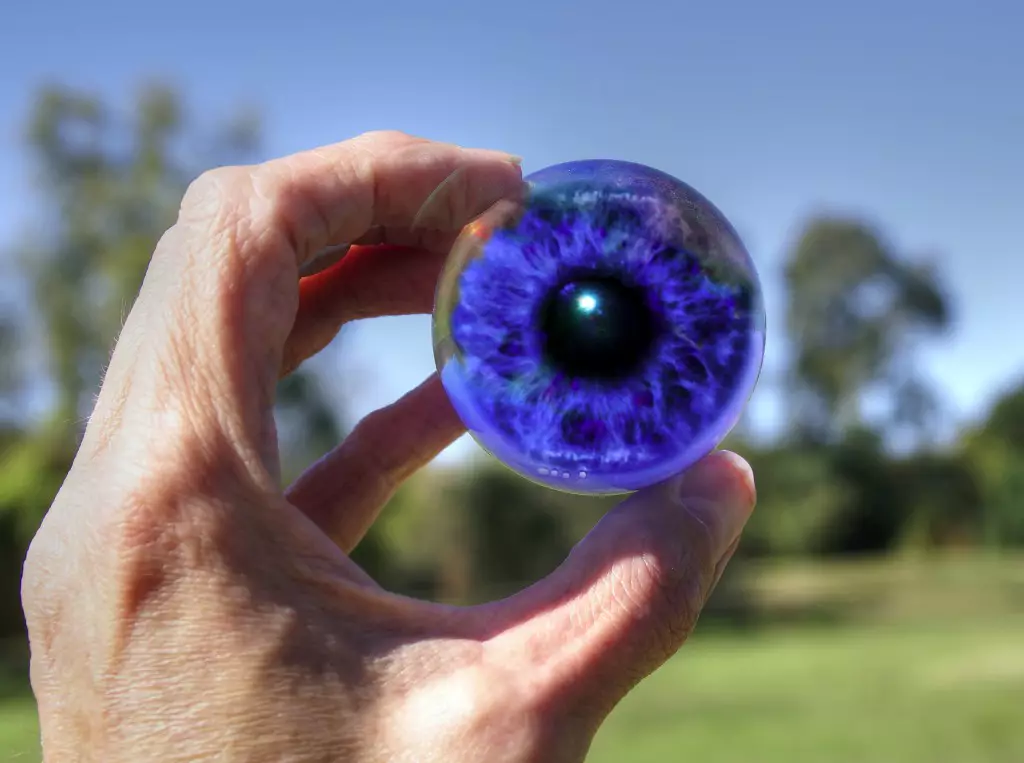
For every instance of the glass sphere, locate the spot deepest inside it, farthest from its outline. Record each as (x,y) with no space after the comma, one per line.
(602,332)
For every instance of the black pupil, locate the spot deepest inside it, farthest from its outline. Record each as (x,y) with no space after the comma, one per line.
(597,328)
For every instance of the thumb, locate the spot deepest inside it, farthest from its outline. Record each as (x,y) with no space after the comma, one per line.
(630,593)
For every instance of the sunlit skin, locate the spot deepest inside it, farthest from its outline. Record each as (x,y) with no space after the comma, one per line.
(183,606)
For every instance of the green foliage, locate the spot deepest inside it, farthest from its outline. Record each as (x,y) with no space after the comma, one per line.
(941,498)
(855,497)
(9,368)
(34,466)
(797,500)
(518,535)
(417,544)
(307,424)
(1005,422)
(995,453)
(872,516)
(463,540)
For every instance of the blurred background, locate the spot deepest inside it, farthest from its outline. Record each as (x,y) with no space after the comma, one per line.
(869,153)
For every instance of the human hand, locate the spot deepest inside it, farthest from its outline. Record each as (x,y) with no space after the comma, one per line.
(182,607)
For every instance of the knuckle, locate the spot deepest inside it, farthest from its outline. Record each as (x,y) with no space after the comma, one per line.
(216,214)
(35,572)
(61,550)
(280,206)
(53,552)
(388,137)
(235,223)
(217,192)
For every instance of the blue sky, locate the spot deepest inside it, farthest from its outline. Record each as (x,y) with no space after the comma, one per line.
(909,113)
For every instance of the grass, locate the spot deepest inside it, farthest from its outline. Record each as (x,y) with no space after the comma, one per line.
(887,694)
(927,665)
(19,730)
(893,590)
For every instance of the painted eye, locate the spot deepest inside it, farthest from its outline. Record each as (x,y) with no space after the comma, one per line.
(601,333)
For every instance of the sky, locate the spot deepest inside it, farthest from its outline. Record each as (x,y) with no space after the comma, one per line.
(904,112)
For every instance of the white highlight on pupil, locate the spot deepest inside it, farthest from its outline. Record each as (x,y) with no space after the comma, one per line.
(587,303)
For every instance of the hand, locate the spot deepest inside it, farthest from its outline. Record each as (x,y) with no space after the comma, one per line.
(181,607)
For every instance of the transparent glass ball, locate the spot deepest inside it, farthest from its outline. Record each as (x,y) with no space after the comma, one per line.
(603,331)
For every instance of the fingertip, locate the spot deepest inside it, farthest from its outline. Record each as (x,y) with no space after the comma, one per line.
(719,491)
(493,154)
(736,474)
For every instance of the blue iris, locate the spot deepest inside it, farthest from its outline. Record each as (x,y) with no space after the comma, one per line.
(594,344)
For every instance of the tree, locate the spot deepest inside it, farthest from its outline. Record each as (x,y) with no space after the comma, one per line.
(798,500)
(855,311)
(942,497)
(995,452)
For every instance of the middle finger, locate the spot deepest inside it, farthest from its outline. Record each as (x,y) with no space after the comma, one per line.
(390,270)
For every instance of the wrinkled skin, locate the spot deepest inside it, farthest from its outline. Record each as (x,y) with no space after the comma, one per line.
(183,607)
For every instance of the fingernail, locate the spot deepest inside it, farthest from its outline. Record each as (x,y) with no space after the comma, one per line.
(492,155)
(719,491)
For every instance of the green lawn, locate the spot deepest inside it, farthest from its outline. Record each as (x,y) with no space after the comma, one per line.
(19,731)
(942,694)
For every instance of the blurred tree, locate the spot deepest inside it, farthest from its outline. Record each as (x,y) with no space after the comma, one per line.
(10,377)
(110,184)
(418,546)
(855,310)
(308,425)
(797,500)
(995,453)
(871,515)
(1005,422)
(515,530)
(942,498)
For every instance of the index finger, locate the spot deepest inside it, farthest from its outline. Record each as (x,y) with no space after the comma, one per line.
(337,194)
(221,295)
